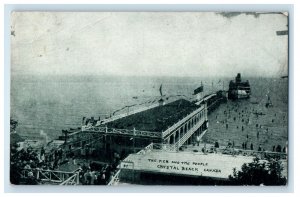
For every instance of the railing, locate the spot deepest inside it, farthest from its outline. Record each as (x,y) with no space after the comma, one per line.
(165,147)
(73,180)
(142,133)
(149,134)
(115,178)
(178,144)
(106,130)
(74,133)
(56,177)
(182,121)
(157,146)
(214,103)
(261,154)
(94,129)
(211,150)
(206,98)
(146,149)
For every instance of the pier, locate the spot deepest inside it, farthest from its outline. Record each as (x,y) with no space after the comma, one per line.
(161,132)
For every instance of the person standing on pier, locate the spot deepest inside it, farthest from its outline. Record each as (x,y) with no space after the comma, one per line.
(278,149)
(198,140)
(216,144)
(259,148)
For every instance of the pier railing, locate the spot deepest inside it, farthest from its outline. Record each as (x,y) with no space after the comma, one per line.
(157,147)
(106,130)
(147,148)
(206,98)
(52,176)
(212,150)
(73,180)
(115,178)
(260,154)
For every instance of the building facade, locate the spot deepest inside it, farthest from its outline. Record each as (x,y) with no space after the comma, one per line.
(176,123)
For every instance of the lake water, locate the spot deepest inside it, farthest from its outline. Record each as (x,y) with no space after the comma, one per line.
(53,103)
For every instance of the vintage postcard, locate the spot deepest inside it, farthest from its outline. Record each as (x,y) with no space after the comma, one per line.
(149,98)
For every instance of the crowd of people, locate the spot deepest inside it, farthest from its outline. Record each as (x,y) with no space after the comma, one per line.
(95,174)
(252,128)
(22,162)
(26,162)
(232,149)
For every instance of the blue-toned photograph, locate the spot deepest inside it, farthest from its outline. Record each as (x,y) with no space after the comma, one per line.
(149,98)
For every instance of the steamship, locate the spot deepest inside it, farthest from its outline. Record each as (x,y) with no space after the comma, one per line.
(239,89)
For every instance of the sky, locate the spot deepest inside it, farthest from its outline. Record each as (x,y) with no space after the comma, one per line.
(195,44)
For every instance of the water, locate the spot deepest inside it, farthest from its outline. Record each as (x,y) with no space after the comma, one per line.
(53,103)
(266,130)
